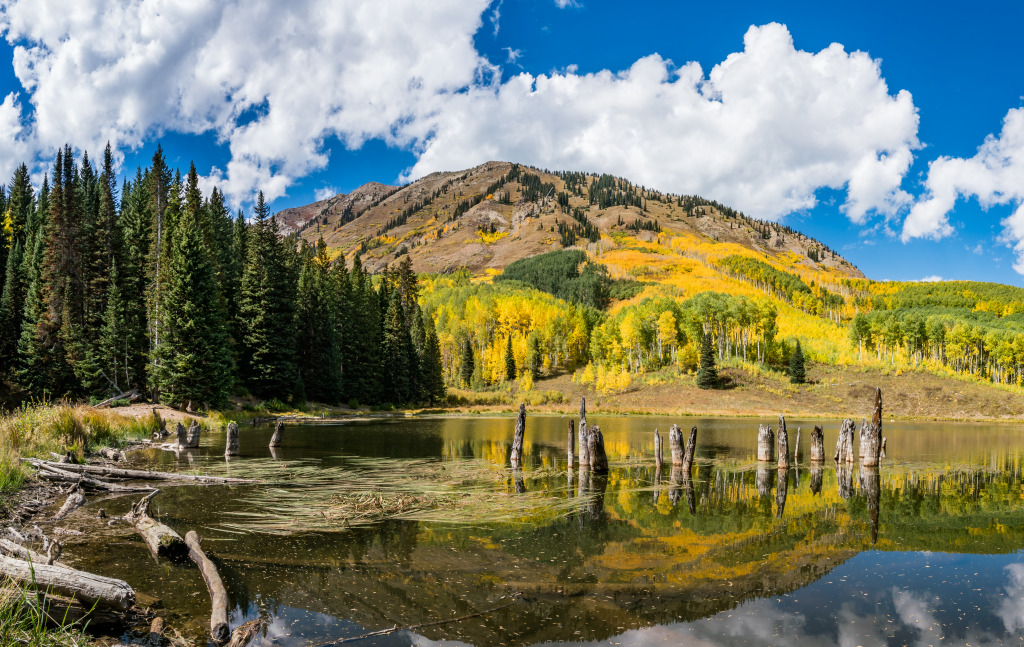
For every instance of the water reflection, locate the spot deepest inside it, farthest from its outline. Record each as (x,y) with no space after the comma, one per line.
(612,557)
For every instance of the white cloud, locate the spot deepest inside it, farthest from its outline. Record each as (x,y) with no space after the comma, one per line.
(325,192)
(1011,607)
(934,278)
(562,4)
(995,176)
(762,131)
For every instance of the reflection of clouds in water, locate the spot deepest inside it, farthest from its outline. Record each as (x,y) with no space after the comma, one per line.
(1011,609)
(914,613)
(420,641)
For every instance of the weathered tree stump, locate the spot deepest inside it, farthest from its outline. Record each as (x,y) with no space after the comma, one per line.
(219,629)
(74,501)
(765,443)
(194,431)
(844,444)
(595,449)
(658,458)
(675,444)
(61,580)
(182,436)
(781,490)
(231,448)
(763,480)
(582,435)
(689,452)
(817,445)
(816,472)
(871,434)
(572,441)
(516,456)
(796,447)
(161,540)
(783,444)
(844,476)
(278,438)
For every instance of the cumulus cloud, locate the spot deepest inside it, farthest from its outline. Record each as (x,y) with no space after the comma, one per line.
(934,278)
(325,192)
(762,131)
(995,176)
(271,80)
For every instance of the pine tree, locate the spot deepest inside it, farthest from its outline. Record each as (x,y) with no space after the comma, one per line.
(707,374)
(318,347)
(361,344)
(510,361)
(11,309)
(467,363)
(194,367)
(134,222)
(536,360)
(31,371)
(432,368)
(797,374)
(395,353)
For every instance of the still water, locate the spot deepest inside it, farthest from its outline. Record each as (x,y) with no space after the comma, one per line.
(925,550)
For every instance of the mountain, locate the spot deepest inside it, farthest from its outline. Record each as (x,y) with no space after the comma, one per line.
(488,216)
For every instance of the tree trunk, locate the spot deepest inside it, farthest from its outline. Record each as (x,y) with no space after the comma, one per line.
(871,435)
(584,447)
(765,444)
(572,441)
(194,431)
(231,449)
(658,460)
(675,444)
(817,445)
(182,436)
(783,444)
(278,438)
(796,447)
(219,630)
(844,444)
(140,475)
(595,448)
(61,580)
(243,635)
(161,540)
(516,456)
(688,453)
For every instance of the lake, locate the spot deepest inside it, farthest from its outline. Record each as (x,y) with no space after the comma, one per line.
(408,522)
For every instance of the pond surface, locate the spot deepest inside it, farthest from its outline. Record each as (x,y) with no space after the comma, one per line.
(923,550)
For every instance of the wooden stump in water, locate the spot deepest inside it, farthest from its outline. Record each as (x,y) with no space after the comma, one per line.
(182,436)
(689,451)
(844,476)
(658,460)
(871,435)
(796,447)
(278,438)
(781,490)
(516,457)
(161,540)
(817,445)
(844,444)
(572,441)
(194,431)
(219,630)
(816,472)
(595,448)
(783,444)
(582,436)
(763,480)
(765,443)
(675,444)
(231,449)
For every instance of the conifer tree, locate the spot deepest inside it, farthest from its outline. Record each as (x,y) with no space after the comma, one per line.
(395,353)
(362,341)
(535,357)
(510,361)
(134,222)
(707,374)
(797,374)
(31,372)
(467,363)
(318,345)
(432,368)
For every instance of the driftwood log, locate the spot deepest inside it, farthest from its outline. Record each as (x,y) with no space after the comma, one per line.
(231,448)
(87,588)
(278,438)
(844,444)
(871,434)
(242,636)
(127,394)
(111,454)
(765,444)
(783,438)
(182,436)
(219,630)
(817,445)
(572,441)
(689,451)
(74,501)
(12,549)
(161,540)
(101,471)
(595,449)
(51,472)
(516,456)
(675,444)
(658,459)
(581,437)
(194,432)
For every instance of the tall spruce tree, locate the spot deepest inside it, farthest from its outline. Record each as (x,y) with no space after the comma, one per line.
(395,353)
(510,360)
(707,374)
(318,347)
(134,223)
(797,373)
(431,367)
(467,363)
(31,370)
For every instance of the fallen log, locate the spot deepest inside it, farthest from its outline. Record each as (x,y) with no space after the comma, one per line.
(74,501)
(51,473)
(8,547)
(219,630)
(147,475)
(60,611)
(242,636)
(87,588)
(278,438)
(161,540)
(126,394)
(111,454)
(516,456)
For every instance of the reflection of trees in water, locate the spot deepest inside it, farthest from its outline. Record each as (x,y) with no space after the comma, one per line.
(844,478)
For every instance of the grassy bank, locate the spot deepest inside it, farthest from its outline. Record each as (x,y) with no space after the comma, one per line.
(41,428)
(24,624)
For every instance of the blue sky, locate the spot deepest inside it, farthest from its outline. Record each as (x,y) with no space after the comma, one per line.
(862,124)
